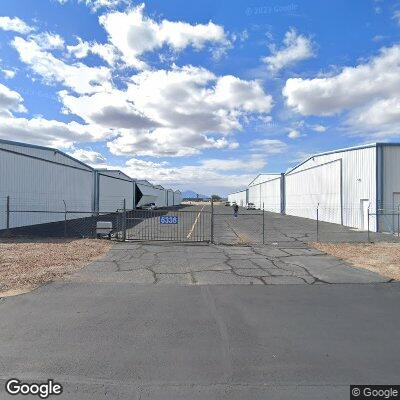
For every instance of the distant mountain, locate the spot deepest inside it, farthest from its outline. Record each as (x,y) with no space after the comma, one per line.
(189,194)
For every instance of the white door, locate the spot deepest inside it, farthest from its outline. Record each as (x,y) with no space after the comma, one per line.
(364,214)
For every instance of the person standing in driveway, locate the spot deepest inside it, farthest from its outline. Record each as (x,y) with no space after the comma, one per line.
(235,210)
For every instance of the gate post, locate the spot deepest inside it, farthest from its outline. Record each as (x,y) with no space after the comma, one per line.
(263,224)
(212,220)
(368,226)
(124,222)
(318,222)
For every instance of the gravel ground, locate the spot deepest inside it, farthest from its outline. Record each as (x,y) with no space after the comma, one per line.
(28,263)
(382,258)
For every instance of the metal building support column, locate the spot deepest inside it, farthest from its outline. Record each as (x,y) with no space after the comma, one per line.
(96,192)
(379,183)
(134,194)
(283,194)
(8,216)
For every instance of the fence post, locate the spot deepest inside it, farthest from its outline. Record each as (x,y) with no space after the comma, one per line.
(263,224)
(212,220)
(65,218)
(398,220)
(318,222)
(124,222)
(368,226)
(8,216)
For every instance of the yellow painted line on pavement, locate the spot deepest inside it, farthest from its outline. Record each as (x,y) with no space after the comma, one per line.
(194,223)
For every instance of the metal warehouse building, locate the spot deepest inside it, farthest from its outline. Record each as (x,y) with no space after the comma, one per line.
(345,185)
(38,184)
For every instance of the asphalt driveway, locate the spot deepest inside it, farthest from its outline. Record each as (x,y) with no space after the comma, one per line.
(125,341)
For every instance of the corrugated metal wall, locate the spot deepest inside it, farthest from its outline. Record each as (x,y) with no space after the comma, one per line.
(177,198)
(239,197)
(170,198)
(113,189)
(320,183)
(270,195)
(317,184)
(390,203)
(344,184)
(37,185)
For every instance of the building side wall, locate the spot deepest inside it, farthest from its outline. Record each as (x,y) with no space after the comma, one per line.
(239,197)
(390,175)
(161,197)
(270,195)
(170,198)
(113,191)
(319,186)
(37,185)
(358,183)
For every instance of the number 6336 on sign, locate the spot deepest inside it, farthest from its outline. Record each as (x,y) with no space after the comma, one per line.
(168,219)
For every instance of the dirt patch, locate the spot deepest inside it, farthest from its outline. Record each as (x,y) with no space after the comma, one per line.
(28,263)
(383,258)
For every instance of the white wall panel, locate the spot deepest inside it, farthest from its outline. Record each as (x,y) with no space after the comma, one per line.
(37,185)
(318,185)
(239,197)
(389,221)
(270,195)
(112,192)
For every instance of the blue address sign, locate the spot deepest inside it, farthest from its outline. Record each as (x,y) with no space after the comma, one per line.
(169,219)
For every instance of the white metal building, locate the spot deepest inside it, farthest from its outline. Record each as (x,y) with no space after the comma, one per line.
(344,184)
(113,187)
(265,192)
(40,183)
(239,197)
(177,197)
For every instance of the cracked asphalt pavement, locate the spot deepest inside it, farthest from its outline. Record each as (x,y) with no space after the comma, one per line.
(203,264)
(169,321)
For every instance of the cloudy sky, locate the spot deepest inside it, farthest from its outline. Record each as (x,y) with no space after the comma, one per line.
(199,95)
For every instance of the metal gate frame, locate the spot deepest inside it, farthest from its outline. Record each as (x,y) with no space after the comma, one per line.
(165,225)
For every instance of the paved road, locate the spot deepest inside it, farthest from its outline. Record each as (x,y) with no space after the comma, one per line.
(170,342)
(184,321)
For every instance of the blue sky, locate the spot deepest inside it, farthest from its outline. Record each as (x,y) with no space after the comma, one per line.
(200,95)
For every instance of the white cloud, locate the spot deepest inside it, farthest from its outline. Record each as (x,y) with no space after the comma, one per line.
(201,177)
(10,101)
(90,157)
(396,16)
(77,76)
(8,73)
(48,132)
(318,128)
(39,130)
(296,48)
(134,34)
(14,24)
(367,92)
(105,51)
(95,5)
(269,146)
(48,41)
(294,134)
(175,112)
(352,87)
(252,163)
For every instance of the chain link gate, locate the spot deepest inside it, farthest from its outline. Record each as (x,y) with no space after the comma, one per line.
(164,225)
